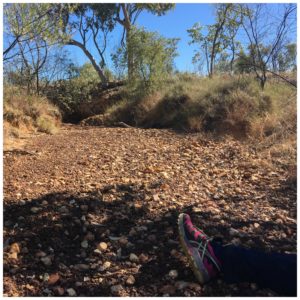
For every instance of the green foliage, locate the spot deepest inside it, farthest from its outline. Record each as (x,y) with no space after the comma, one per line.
(153,57)
(69,94)
(287,58)
(226,104)
(243,63)
(158,9)
(28,20)
(214,39)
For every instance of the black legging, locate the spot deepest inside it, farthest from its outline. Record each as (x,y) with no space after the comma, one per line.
(269,270)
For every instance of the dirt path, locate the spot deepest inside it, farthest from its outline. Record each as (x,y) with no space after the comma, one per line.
(124,188)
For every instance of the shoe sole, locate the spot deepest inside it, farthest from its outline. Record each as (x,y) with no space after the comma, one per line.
(196,266)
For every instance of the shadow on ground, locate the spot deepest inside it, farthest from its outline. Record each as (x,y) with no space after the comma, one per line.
(55,226)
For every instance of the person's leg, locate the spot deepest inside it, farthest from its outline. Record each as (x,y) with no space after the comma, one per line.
(269,270)
(209,258)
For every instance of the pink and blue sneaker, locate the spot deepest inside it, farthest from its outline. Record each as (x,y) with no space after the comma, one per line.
(198,249)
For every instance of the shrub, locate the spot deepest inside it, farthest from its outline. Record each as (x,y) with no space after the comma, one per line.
(44,124)
(224,105)
(27,112)
(151,58)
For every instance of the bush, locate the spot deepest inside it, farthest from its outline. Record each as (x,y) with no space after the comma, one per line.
(224,105)
(44,124)
(151,58)
(27,112)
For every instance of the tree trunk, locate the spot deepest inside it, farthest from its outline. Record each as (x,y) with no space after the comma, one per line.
(92,60)
(37,83)
(127,26)
(129,56)
(212,59)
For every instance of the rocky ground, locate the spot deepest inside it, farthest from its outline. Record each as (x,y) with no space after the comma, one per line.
(93,211)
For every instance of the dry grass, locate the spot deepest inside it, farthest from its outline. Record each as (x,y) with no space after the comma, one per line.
(221,106)
(28,113)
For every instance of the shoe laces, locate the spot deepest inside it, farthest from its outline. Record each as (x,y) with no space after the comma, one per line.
(202,248)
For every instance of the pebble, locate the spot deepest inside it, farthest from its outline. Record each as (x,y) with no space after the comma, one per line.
(83,254)
(141,228)
(22,202)
(143,258)
(40,254)
(46,277)
(84,244)
(105,266)
(13,255)
(234,232)
(133,258)
(173,274)
(236,241)
(256,225)
(123,241)
(89,236)
(71,292)
(84,207)
(149,222)
(195,286)
(53,278)
(172,242)
(130,280)
(180,285)
(47,291)
(253,286)
(14,270)
(44,203)
(46,260)
(8,223)
(102,246)
(59,290)
(119,253)
(97,251)
(155,197)
(15,248)
(34,209)
(152,237)
(63,210)
(132,232)
(129,245)
(115,289)
(167,289)
(81,267)
(25,250)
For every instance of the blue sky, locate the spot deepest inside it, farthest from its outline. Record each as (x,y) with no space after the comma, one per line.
(172,25)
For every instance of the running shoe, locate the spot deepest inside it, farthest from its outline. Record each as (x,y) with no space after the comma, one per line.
(198,249)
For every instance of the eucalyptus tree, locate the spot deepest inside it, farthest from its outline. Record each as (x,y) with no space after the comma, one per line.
(77,25)
(152,59)
(216,38)
(91,23)
(24,22)
(127,14)
(95,21)
(267,35)
(28,35)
